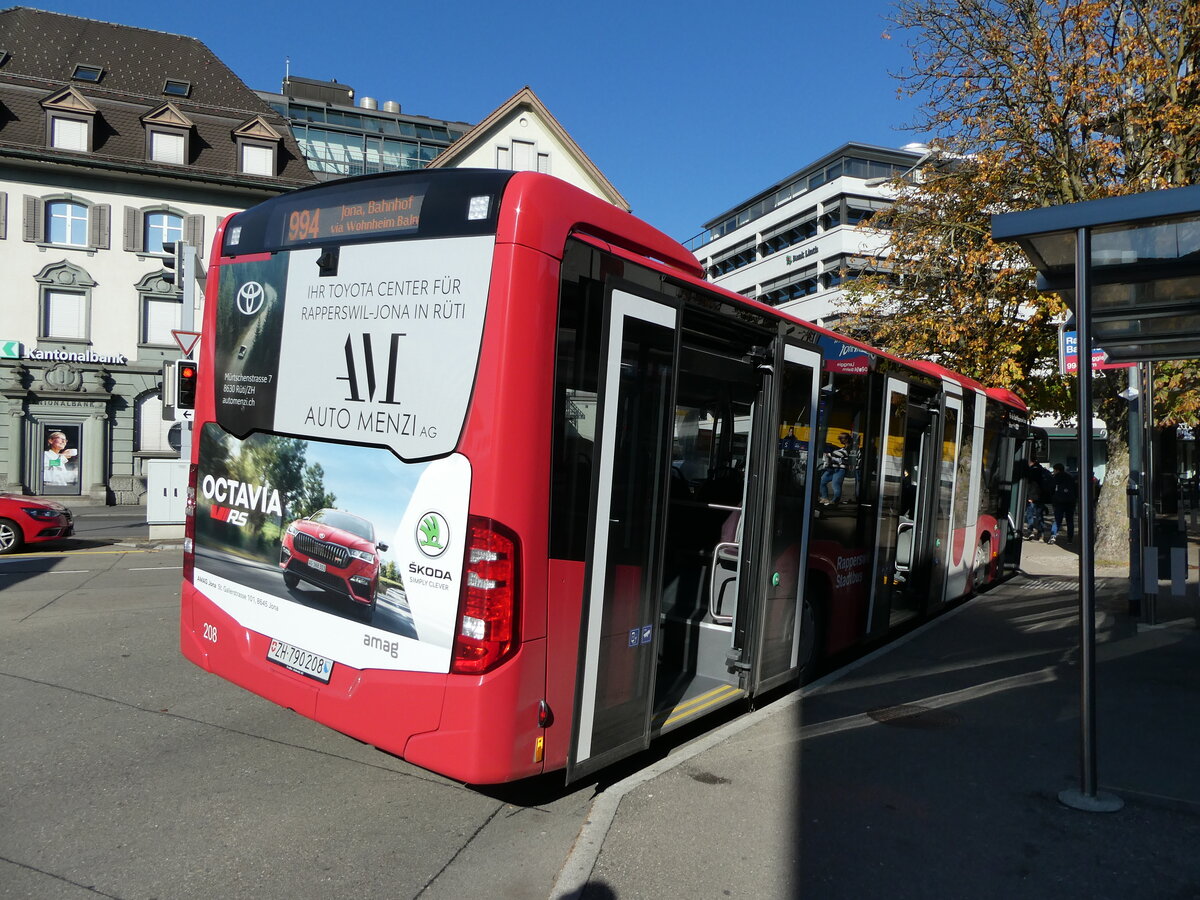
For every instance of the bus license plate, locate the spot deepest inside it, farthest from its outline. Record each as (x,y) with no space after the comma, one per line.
(302,661)
(319,566)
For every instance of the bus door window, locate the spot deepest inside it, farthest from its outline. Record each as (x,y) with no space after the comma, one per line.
(632,456)
(714,416)
(922,462)
(724,496)
(971,490)
(948,546)
(783,646)
(1012,444)
(838,574)
(897,500)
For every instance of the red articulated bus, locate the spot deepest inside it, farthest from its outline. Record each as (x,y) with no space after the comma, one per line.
(487,476)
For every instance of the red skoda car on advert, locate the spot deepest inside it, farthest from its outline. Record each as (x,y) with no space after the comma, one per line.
(24,520)
(334,550)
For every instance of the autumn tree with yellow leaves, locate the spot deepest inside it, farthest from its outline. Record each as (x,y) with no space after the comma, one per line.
(1030,103)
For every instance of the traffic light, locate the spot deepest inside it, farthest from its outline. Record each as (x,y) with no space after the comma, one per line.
(186,376)
(173,265)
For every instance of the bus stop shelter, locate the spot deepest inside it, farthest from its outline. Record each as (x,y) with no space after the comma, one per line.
(1129,268)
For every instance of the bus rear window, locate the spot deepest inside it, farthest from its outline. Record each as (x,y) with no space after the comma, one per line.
(378,347)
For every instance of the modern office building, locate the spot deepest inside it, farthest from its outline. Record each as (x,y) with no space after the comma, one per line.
(342,134)
(113,140)
(797,243)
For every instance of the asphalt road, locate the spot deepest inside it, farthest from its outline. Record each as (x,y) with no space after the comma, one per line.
(127,772)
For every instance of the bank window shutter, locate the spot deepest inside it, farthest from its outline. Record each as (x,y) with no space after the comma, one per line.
(35,220)
(98,225)
(258,160)
(161,318)
(66,313)
(523,156)
(133,230)
(68,134)
(193,232)
(167,147)
(153,434)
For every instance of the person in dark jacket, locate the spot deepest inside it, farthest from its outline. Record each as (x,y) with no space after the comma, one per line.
(1037,492)
(1066,491)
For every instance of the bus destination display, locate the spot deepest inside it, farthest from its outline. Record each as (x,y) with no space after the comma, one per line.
(358,218)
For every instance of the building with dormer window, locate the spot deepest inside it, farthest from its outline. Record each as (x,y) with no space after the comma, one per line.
(113,141)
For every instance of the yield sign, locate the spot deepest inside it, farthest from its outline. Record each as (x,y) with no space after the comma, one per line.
(187,341)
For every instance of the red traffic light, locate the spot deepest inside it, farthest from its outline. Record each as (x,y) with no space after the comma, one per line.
(185,385)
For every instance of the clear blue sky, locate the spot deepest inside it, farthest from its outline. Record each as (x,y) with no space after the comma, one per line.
(687,108)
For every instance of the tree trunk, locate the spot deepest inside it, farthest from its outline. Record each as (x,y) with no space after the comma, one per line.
(1112,511)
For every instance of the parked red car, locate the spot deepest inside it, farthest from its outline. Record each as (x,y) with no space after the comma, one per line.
(24,520)
(335,550)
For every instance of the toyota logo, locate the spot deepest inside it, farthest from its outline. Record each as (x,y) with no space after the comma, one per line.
(250,298)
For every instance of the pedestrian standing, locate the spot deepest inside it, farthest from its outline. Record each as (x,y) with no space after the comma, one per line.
(1066,490)
(1038,490)
(836,462)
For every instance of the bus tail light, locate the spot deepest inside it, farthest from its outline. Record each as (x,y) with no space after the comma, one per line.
(189,526)
(487,633)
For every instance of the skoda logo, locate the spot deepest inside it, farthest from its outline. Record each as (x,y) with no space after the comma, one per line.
(250,298)
(433,534)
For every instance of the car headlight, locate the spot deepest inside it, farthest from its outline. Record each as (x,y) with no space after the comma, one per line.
(40,512)
(291,529)
(363,555)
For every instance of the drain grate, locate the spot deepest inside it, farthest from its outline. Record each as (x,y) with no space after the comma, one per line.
(1043,585)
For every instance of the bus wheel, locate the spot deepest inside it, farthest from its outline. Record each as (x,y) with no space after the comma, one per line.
(290,579)
(10,536)
(809,654)
(979,572)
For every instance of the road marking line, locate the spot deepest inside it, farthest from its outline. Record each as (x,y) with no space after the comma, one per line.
(152,568)
(74,553)
(50,572)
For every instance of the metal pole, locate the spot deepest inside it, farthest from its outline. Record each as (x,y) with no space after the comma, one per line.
(1150,603)
(187,322)
(1086,798)
(1133,492)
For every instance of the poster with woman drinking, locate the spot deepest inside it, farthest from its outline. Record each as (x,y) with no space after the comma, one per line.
(60,459)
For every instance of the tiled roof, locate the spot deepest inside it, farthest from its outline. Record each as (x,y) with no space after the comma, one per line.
(43,50)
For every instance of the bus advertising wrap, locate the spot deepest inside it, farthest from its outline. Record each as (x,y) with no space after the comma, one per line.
(343,551)
(331,509)
(369,343)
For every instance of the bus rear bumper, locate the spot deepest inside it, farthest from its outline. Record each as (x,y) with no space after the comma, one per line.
(383,710)
(490,731)
(476,729)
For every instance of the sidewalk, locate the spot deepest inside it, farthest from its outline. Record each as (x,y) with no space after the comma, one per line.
(932,769)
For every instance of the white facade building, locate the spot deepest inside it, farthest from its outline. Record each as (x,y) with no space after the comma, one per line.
(113,139)
(796,244)
(522,135)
